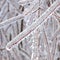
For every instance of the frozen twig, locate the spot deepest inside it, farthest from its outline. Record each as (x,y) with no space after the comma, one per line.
(46,43)
(15,4)
(20,16)
(54,43)
(24,53)
(10,21)
(39,21)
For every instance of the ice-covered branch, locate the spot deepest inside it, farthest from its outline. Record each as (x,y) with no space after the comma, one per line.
(10,21)
(21,16)
(39,21)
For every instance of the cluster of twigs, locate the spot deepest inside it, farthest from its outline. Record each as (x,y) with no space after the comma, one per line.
(51,11)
